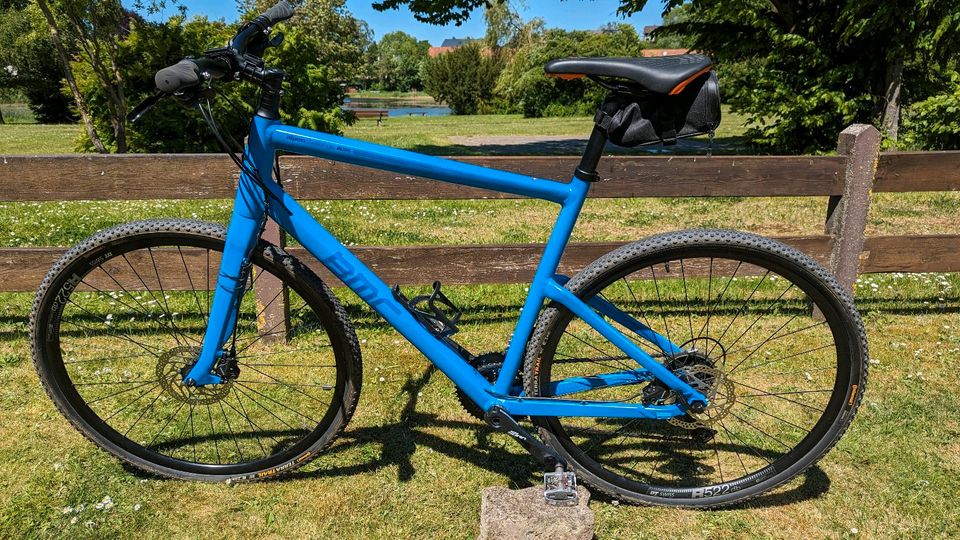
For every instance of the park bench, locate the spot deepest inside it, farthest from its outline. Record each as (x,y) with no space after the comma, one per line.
(379,114)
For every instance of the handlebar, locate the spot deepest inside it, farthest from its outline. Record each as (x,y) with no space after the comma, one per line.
(190,72)
(240,58)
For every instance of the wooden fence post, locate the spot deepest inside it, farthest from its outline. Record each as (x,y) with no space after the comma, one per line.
(847,213)
(272,297)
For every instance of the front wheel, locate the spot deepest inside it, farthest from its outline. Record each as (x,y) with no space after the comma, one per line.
(120,318)
(760,328)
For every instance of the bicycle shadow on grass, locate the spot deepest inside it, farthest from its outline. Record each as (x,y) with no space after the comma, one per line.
(400,440)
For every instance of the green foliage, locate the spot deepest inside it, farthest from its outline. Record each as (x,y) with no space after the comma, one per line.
(396,62)
(464,78)
(323,45)
(934,123)
(812,68)
(524,88)
(28,64)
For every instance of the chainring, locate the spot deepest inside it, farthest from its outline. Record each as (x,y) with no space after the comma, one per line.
(488,365)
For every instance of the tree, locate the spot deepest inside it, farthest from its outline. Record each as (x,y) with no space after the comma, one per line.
(323,46)
(464,78)
(64,54)
(523,87)
(397,63)
(815,67)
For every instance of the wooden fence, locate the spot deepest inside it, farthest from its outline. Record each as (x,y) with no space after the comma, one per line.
(848,179)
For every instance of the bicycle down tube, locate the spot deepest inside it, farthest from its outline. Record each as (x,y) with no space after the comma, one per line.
(251,207)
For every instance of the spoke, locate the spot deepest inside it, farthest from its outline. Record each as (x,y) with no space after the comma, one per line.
(256,429)
(709,296)
(789,423)
(143,309)
(598,361)
(216,445)
(144,412)
(771,338)
(257,403)
(230,429)
(719,467)
(97,331)
(167,423)
(274,353)
(150,292)
(315,423)
(686,298)
(736,315)
(193,289)
(270,331)
(107,359)
(766,312)
(278,381)
(610,435)
(594,347)
(124,391)
(642,312)
(112,382)
(741,441)
(163,294)
(733,445)
(774,395)
(136,399)
(716,303)
(761,431)
(193,435)
(782,358)
(663,316)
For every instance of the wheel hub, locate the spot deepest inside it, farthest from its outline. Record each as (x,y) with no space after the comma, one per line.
(696,366)
(173,366)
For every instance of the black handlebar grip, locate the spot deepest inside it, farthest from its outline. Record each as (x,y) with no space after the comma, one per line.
(281,11)
(183,74)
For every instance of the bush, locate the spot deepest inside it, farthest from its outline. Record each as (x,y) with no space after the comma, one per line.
(934,123)
(322,45)
(524,88)
(464,78)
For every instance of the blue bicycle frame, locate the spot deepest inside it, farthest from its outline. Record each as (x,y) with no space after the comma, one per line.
(252,206)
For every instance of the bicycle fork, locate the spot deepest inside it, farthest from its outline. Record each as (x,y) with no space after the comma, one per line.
(246,224)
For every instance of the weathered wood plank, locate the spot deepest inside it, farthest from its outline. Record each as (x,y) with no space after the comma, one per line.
(207,176)
(272,297)
(918,253)
(900,172)
(22,269)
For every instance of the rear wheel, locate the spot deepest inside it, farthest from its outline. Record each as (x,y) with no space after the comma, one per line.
(764,331)
(119,320)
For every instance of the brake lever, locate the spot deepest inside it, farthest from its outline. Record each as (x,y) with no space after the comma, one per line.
(145,107)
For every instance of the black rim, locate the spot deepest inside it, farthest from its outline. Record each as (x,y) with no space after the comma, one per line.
(712,458)
(145,300)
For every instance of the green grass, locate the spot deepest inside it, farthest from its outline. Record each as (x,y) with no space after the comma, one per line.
(423,134)
(412,464)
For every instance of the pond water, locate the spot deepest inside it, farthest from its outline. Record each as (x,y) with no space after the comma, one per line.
(399,106)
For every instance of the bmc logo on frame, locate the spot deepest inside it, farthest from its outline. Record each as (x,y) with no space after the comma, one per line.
(339,265)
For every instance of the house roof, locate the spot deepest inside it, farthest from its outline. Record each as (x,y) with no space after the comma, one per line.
(455,42)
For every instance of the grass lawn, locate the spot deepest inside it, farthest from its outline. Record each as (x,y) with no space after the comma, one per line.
(412,463)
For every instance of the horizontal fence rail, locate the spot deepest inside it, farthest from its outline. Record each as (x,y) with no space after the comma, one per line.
(22,268)
(847,179)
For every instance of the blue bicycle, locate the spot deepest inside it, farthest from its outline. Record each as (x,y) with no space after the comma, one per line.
(697,368)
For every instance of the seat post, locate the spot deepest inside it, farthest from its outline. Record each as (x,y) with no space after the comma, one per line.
(587,170)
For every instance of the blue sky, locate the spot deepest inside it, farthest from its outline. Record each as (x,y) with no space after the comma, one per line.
(568,14)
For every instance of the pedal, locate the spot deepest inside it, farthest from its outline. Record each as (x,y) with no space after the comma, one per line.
(435,311)
(560,488)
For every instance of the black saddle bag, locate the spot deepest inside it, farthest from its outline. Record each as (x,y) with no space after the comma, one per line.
(634,120)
